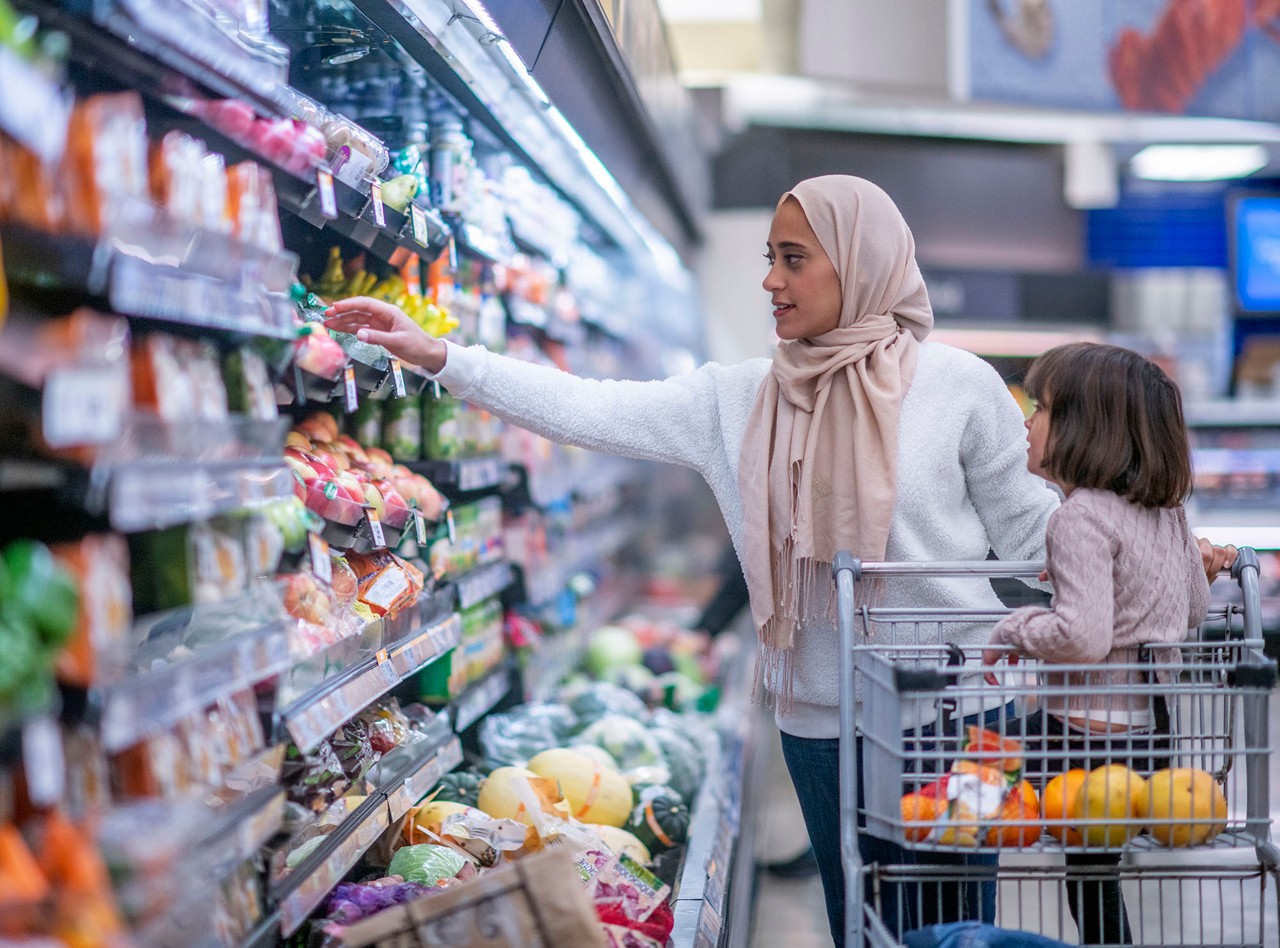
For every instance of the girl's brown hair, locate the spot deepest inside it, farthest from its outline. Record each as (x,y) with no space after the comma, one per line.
(1115,423)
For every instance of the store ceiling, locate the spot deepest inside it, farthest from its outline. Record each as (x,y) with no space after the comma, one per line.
(870,67)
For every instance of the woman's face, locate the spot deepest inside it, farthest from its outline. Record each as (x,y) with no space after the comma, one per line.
(802,281)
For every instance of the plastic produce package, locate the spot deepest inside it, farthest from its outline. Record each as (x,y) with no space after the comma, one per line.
(590,702)
(426,863)
(515,737)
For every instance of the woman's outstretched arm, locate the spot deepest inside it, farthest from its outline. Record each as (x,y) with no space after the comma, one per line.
(675,420)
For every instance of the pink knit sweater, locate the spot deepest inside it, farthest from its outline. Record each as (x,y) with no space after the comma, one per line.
(1123,576)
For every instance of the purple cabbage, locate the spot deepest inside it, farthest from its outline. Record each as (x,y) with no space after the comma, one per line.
(351,901)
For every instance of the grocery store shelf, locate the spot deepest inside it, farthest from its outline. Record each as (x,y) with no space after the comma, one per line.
(266,934)
(305,887)
(153,700)
(483,582)
(241,829)
(480,698)
(149,496)
(161,270)
(316,715)
(302,891)
(464,476)
(407,775)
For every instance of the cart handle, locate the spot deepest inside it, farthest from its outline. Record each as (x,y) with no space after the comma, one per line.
(995,569)
(1245,571)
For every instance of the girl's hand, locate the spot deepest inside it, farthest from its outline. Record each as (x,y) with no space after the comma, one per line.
(1216,558)
(382,324)
(992,656)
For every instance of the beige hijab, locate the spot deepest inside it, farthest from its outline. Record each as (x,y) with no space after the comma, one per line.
(819,461)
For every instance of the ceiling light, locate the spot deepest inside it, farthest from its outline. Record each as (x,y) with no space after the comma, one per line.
(1198,162)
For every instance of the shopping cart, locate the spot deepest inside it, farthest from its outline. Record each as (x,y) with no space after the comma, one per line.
(962,768)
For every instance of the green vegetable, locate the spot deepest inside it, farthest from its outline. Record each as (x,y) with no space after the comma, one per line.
(660,820)
(462,786)
(41,593)
(426,863)
(20,656)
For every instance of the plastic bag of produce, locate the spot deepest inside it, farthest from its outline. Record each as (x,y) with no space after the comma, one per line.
(351,902)
(631,903)
(627,740)
(355,752)
(593,701)
(515,737)
(314,780)
(426,863)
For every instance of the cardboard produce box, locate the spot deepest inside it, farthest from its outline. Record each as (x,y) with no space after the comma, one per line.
(537,902)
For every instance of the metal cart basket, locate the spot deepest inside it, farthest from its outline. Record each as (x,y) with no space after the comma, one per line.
(1150,772)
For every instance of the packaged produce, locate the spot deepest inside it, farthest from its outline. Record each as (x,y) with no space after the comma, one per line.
(425,863)
(516,736)
(255,216)
(592,701)
(100,567)
(105,163)
(318,354)
(353,749)
(248,384)
(631,903)
(402,428)
(316,779)
(39,592)
(188,564)
(23,886)
(351,901)
(385,582)
(84,907)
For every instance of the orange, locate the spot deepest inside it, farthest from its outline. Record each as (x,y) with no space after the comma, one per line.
(919,807)
(1020,806)
(1055,803)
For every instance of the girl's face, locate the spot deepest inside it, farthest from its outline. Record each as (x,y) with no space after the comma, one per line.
(801,281)
(1038,438)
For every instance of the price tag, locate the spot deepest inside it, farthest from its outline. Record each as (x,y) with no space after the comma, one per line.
(453,530)
(379,212)
(42,761)
(328,199)
(453,254)
(82,406)
(435,388)
(321,565)
(349,384)
(381,656)
(419,224)
(397,377)
(420,526)
(375,527)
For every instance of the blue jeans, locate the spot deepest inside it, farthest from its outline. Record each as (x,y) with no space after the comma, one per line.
(814,765)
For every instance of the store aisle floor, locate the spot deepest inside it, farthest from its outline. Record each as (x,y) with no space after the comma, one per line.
(790,913)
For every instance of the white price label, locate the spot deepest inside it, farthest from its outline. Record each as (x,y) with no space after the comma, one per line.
(375,527)
(328,199)
(419,224)
(42,761)
(379,212)
(82,406)
(453,530)
(397,377)
(321,565)
(435,389)
(349,388)
(420,526)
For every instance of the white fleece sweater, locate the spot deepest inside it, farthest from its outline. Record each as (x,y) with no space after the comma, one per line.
(963,486)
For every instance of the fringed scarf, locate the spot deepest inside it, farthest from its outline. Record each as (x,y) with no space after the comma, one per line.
(818,465)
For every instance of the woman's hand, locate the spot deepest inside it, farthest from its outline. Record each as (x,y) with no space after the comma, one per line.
(382,324)
(992,656)
(1216,558)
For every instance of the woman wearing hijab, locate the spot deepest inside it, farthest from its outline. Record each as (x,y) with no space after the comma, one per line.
(859,434)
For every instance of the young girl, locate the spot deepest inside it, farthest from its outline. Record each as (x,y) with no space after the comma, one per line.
(1126,572)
